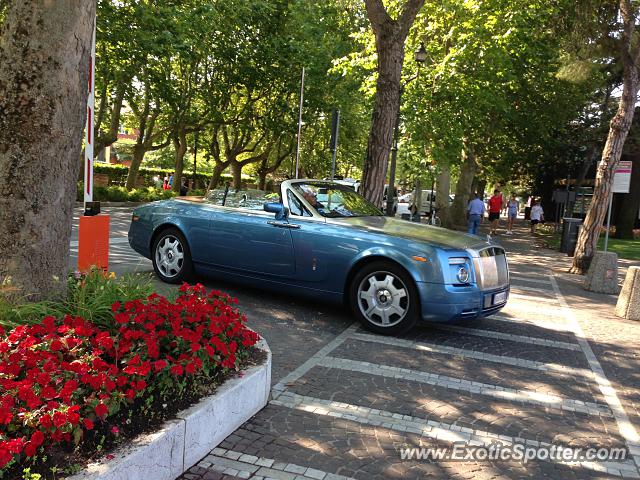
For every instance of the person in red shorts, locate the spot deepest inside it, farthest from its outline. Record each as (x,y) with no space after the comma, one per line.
(495,206)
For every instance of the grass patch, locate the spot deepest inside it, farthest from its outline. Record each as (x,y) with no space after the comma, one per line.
(89,296)
(627,249)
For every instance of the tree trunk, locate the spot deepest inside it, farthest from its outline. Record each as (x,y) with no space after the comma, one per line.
(139,151)
(180,145)
(262,180)
(236,170)
(44,61)
(463,187)
(217,174)
(630,204)
(618,130)
(105,139)
(443,189)
(390,37)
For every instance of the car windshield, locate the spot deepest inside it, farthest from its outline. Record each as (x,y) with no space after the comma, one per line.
(334,200)
(245,199)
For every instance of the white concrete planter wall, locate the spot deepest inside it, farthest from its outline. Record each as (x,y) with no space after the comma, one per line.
(181,443)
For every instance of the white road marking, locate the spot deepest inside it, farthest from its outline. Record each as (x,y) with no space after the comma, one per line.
(536,323)
(476,355)
(452,383)
(531,298)
(528,279)
(112,241)
(234,463)
(427,428)
(627,430)
(527,289)
(312,361)
(508,336)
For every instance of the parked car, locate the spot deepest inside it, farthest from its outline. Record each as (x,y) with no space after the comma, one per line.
(322,239)
(427,202)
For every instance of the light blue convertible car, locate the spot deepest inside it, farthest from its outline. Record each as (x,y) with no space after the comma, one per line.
(322,239)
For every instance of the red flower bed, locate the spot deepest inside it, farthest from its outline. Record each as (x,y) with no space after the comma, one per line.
(60,377)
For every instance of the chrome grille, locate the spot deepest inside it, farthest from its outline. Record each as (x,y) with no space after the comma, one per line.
(491,268)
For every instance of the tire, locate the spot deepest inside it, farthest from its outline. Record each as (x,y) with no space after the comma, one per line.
(381,309)
(171,256)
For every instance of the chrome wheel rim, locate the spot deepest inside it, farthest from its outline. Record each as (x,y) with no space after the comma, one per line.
(383,299)
(169,256)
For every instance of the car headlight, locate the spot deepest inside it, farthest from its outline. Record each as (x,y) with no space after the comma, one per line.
(463,275)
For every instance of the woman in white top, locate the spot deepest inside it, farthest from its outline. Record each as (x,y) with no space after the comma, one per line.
(537,215)
(512,212)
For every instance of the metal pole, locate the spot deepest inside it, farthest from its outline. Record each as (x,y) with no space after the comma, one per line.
(299,125)
(195,156)
(89,135)
(394,158)
(335,145)
(606,235)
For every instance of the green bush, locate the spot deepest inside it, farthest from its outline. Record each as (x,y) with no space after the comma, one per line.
(89,296)
(120,194)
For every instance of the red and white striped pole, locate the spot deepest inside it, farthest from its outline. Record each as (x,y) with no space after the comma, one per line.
(89,135)
(93,229)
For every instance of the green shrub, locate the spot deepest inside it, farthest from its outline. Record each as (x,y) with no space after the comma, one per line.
(89,296)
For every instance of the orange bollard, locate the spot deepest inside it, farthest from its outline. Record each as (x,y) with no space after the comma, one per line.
(93,243)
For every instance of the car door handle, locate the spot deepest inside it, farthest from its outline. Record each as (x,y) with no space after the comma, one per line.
(283,224)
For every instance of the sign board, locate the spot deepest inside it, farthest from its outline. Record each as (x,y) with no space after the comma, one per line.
(622,177)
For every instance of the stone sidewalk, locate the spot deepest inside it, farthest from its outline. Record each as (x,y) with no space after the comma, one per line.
(555,367)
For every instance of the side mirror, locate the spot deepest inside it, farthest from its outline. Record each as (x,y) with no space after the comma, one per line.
(282,212)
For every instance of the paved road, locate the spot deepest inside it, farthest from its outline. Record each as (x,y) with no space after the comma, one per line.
(554,367)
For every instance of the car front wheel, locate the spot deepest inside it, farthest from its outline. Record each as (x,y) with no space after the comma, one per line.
(384,298)
(171,257)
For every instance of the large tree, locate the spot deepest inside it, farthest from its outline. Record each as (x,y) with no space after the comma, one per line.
(44,62)
(45,49)
(618,131)
(390,35)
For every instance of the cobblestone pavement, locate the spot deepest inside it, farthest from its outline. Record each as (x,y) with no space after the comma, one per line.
(554,367)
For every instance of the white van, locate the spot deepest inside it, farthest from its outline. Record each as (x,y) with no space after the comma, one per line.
(427,202)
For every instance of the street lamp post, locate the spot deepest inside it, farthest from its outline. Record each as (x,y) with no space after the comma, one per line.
(420,57)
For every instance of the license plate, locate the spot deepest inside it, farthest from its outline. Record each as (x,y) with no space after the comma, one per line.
(499,298)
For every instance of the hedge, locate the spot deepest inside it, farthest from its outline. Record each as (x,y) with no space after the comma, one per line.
(120,194)
(118,173)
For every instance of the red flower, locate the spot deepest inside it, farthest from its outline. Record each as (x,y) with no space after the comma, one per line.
(5,456)
(37,438)
(101,410)
(30,449)
(45,421)
(159,365)
(190,368)
(88,424)
(73,418)
(176,369)
(59,419)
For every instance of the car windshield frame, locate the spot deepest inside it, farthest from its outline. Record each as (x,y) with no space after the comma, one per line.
(331,196)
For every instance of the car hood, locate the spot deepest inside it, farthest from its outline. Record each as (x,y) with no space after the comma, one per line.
(416,231)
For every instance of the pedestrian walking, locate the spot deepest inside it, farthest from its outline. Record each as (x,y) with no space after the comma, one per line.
(512,212)
(495,206)
(475,212)
(537,215)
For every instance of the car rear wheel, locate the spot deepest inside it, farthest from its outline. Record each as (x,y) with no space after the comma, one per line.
(384,298)
(171,257)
